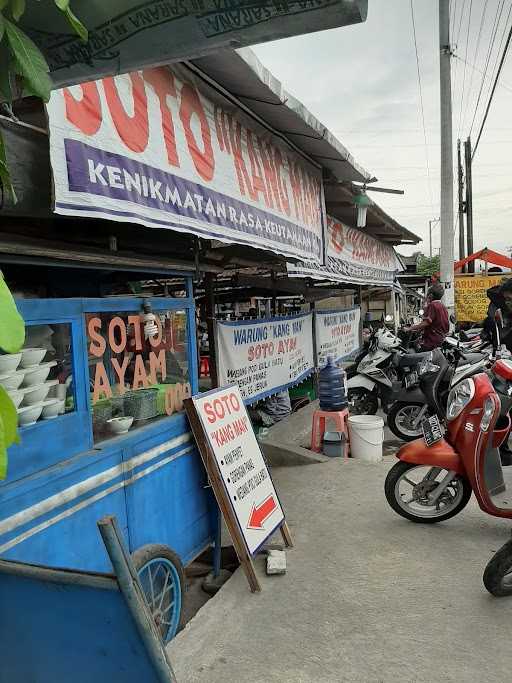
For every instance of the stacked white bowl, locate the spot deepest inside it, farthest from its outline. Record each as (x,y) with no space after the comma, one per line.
(24,376)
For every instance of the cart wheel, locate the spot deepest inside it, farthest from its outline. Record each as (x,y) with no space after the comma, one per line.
(162,578)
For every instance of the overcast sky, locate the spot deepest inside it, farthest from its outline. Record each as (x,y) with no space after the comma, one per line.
(362,83)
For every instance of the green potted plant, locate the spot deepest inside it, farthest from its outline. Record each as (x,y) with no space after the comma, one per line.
(12,337)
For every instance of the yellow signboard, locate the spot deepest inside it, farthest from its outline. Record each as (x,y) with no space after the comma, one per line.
(471,300)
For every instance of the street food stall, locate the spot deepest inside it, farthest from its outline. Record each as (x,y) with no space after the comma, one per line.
(99,389)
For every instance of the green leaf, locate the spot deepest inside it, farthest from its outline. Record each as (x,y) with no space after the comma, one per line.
(3,4)
(9,418)
(62,4)
(76,24)
(5,176)
(3,452)
(29,61)
(17,9)
(2,29)
(12,326)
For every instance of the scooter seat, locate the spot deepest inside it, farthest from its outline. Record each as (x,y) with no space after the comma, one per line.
(410,359)
(474,357)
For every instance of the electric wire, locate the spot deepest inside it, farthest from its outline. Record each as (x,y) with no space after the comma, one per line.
(475,60)
(502,61)
(497,19)
(421,104)
(464,74)
(456,41)
(499,50)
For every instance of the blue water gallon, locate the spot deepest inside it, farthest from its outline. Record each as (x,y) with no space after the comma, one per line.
(332,386)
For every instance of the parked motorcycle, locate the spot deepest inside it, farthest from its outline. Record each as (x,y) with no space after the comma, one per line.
(425,393)
(436,475)
(373,375)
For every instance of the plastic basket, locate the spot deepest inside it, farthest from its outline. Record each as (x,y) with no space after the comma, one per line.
(141,404)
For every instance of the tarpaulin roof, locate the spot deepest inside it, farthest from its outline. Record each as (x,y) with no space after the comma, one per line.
(487,255)
(125,35)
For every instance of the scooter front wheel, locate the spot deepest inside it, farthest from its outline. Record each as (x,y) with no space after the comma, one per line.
(498,573)
(409,489)
(404,419)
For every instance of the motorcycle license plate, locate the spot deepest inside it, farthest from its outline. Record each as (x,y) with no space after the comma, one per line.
(411,380)
(432,430)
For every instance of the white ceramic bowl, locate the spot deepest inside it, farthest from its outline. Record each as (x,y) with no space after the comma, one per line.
(120,425)
(35,394)
(9,362)
(51,408)
(38,375)
(16,396)
(13,380)
(31,357)
(29,414)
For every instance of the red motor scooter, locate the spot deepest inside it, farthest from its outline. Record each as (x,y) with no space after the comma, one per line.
(436,474)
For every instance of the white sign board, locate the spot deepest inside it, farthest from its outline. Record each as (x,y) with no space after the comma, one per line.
(265,356)
(244,473)
(161,148)
(337,334)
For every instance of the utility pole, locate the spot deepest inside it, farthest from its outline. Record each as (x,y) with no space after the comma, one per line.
(445,91)
(469,201)
(460,176)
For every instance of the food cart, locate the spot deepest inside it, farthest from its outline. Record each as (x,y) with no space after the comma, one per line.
(102,428)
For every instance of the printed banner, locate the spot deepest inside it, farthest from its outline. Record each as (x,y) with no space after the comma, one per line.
(337,334)
(265,356)
(161,148)
(471,300)
(352,256)
(247,483)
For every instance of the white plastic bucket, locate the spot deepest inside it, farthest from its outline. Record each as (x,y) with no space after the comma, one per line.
(366,434)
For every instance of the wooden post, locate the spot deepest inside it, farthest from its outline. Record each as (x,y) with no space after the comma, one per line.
(209,290)
(286,535)
(214,474)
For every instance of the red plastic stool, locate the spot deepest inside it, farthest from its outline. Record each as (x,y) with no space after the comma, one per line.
(320,420)
(204,366)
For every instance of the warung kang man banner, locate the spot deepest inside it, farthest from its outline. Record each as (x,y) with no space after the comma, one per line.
(264,356)
(337,334)
(161,148)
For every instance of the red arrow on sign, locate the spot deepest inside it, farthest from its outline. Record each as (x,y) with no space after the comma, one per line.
(261,512)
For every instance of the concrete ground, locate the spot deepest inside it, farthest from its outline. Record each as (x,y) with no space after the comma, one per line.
(367,596)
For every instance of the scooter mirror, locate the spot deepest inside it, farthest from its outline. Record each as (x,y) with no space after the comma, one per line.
(498,326)
(421,311)
(388,318)
(453,319)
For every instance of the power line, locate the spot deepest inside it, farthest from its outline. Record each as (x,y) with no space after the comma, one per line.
(505,86)
(497,19)
(421,105)
(453,5)
(464,74)
(498,52)
(475,59)
(456,40)
(502,61)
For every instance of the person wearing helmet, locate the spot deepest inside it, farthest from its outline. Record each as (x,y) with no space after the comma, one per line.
(435,325)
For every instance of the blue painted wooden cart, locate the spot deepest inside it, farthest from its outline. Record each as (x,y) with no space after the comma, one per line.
(66,474)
